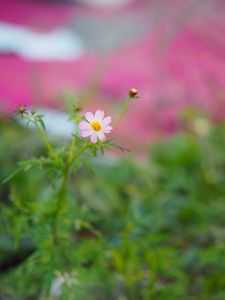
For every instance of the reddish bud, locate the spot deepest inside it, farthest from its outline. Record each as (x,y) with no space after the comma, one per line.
(21,108)
(77,107)
(132,92)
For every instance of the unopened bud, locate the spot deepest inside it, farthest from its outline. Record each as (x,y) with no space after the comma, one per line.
(78,107)
(33,111)
(22,109)
(132,92)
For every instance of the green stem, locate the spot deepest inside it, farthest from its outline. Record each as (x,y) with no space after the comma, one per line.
(122,112)
(70,160)
(62,191)
(61,197)
(44,138)
(78,154)
(72,150)
(47,143)
(63,186)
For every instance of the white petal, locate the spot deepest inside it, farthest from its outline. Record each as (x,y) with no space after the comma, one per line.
(107,129)
(93,137)
(84,125)
(101,136)
(89,116)
(99,115)
(106,121)
(85,133)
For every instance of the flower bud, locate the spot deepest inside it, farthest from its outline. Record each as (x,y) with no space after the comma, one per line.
(21,109)
(77,107)
(33,111)
(132,92)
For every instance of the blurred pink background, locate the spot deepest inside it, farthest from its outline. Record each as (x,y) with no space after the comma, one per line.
(172,52)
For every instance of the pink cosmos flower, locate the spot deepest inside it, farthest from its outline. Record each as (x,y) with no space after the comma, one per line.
(95,126)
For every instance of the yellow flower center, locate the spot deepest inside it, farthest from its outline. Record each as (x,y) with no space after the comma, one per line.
(96,126)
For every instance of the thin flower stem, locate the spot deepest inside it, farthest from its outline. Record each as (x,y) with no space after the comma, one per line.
(29,119)
(62,191)
(72,150)
(44,138)
(63,186)
(122,112)
(47,143)
(78,154)
(59,204)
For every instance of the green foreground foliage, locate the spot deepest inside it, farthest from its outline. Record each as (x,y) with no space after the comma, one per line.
(153,230)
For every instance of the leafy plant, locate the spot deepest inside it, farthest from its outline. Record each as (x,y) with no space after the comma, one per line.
(152,230)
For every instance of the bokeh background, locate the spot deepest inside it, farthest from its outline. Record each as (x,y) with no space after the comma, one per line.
(172,52)
(168,196)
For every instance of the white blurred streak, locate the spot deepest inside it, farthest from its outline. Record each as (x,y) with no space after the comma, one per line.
(56,123)
(60,45)
(105,3)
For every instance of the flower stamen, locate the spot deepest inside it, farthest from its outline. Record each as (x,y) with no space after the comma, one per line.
(96,126)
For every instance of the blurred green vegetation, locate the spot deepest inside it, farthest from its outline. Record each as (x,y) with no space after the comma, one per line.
(138,230)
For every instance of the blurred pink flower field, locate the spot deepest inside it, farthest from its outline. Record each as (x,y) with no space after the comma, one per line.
(176,59)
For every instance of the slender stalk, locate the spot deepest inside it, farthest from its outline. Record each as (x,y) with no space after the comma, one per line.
(44,138)
(62,191)
(29,119)
(61,197)
(72,149)
(78,154)
(122,112)
(69,162)
(47,143)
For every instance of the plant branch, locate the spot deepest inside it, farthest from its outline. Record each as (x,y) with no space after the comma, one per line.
(78,154)
(72,149)
(122,112)
(61,197)
(44,138)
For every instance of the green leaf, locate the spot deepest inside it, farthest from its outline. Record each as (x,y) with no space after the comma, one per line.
(52,180)
(80,224)
(77,164)
(39,162)
(118,261)
(76,136)
(102,149)
(27,124)
(40,116)
(89,166)
(119,147)
(94,151)
(107,142)
(12,174)
(42,124)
